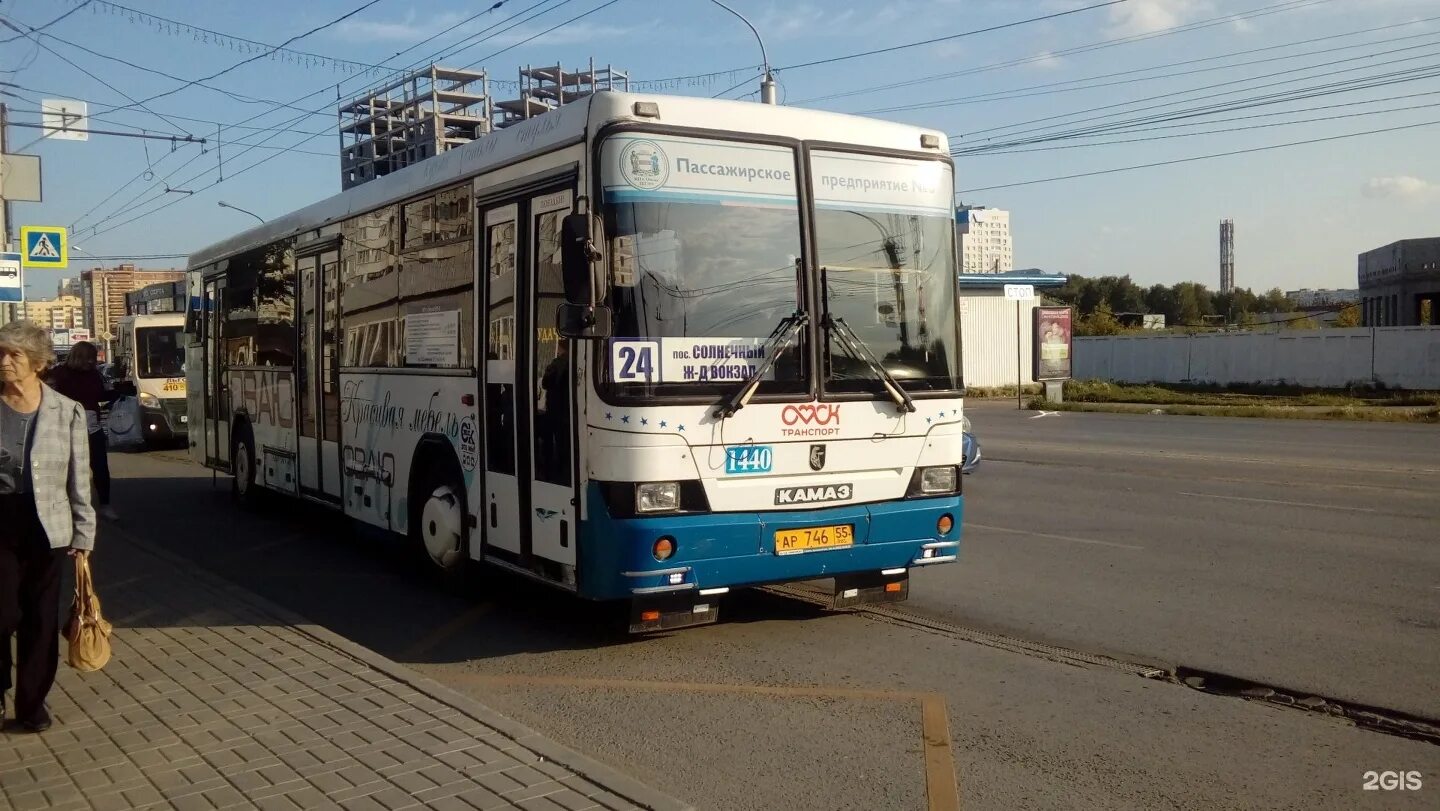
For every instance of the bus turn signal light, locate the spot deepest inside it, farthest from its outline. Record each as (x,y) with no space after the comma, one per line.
(945,524)
(649,616)
(893,586)
(664,548)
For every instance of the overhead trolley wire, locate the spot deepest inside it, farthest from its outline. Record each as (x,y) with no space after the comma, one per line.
(551,29)
(233,96)
(1041,130)
(1315,91)
(98,231)
(220,37)
(989,29)
(732,71)
(347,15)
(1288,5)
(280,129)
(1051,88)
(1210,132)
(40,28)
(1194,158)
(87,72)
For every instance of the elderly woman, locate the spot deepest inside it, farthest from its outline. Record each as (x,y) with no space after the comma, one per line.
(45,511)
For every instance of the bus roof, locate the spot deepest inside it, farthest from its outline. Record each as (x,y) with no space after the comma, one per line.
(567,125)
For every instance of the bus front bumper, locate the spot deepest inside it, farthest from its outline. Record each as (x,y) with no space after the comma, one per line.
(166,423)
(715,552)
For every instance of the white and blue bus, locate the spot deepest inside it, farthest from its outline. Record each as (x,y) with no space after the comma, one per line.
(640,347)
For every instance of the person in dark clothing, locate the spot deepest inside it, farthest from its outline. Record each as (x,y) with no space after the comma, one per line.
(554,421)
(80,380)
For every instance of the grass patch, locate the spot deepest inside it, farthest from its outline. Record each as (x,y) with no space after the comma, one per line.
(1179,394)
(986,392)
(1430,415)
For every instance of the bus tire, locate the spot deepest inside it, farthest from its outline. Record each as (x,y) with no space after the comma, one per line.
(438,527)
(242,465)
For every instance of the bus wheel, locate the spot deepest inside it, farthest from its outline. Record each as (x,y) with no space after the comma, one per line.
(242,463)
(441,527)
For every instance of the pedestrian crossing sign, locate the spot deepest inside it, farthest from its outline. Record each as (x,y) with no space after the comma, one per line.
(44,246)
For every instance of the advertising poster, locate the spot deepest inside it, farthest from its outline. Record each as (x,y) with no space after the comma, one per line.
(1054,348)
(433,339)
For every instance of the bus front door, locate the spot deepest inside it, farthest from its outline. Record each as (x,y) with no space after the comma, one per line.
(551,443)
(529,511)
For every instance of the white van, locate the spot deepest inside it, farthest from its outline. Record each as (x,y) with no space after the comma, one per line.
(150,353)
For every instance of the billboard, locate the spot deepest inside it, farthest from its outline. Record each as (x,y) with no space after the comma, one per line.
(1053,341)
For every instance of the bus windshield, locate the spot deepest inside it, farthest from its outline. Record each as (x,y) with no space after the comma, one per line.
(886,236)
(704,246)
(159,352)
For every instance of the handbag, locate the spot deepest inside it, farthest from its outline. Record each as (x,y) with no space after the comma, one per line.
(87,631)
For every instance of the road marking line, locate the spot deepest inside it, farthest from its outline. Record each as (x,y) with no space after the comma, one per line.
(1070,538)
(1278,501)
(942,790)
(456,624)
(1167,455)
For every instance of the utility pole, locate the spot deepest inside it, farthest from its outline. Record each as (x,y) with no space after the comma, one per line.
(10,311)
(5,238)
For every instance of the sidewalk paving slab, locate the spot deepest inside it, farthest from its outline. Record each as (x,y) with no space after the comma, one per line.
(216,698)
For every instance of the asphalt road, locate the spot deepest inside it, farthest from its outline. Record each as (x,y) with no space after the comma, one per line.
(1294,553)
(782,705)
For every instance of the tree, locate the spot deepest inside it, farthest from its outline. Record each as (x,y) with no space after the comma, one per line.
(1300,321)
(1100,322)
(1161,299)
(1192,304)
(1348,317)
(1274,301)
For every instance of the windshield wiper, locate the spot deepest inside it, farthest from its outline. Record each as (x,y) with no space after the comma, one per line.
(775,345)
(851,342)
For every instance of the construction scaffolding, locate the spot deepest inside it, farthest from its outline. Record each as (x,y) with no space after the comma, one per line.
(413,118)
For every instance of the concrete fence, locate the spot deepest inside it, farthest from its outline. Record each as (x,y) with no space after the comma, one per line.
(1396,357)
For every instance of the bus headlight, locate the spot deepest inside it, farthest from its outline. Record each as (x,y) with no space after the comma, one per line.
(657,497)
(941,479)
(149,400)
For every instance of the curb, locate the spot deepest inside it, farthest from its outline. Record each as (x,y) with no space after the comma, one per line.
(582,765)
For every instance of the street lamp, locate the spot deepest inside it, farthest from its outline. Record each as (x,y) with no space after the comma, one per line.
(767,84)
(224,204)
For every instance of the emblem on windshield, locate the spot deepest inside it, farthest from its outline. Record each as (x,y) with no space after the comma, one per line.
(644,165)
(817,457)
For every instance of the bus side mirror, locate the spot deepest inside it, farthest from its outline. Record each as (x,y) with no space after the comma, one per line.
(576,321)
(578,255)
(581,316)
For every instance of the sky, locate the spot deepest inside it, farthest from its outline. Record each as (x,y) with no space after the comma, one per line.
(1301,212)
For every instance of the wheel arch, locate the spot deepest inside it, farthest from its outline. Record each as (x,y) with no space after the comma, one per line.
(434,457)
